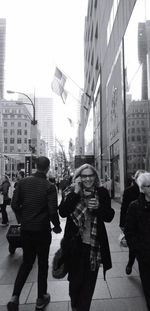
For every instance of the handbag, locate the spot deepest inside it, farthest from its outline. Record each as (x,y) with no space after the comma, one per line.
(59,270)
(1,199)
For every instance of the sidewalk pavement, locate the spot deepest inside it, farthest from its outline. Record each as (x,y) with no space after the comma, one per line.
(118,293)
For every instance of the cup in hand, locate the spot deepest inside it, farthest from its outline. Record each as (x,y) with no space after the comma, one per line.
(93,204)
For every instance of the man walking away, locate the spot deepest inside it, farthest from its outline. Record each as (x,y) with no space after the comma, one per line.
(36,197)
(130,194)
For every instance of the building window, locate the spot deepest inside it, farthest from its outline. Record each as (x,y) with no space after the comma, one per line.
(112,18)
(12,123)
(19,132)
(5,131)
(138,138)
(18,140)
(96,31)
(95,4)
(25,132)
(5,148)
(12,131)
(11,148)
(25,140)
(92,33)
(12,140)
(5,140)
(92,59)
(25,124)
(5,124)
(19,124)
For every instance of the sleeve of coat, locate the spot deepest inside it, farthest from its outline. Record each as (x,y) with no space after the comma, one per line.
(106,212)
(131,228)
(16,201)
(53,205)
(68,204)
(123,210)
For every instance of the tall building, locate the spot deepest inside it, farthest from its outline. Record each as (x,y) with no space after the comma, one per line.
(2,54)
(45,117)
(16,127)
(117,76)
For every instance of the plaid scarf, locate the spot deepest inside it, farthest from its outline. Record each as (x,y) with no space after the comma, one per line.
(79,216)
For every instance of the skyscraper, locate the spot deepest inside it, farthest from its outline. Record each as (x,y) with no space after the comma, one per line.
(45,117)
(2,54)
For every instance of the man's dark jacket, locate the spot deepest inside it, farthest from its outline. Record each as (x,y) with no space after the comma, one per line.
(104,214)
(137,228)
(36,198)
(130,194)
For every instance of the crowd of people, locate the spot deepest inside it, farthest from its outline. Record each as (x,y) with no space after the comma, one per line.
(86,205)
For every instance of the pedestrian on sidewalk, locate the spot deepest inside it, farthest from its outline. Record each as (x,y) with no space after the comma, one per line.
(4,188)
(20,176)
(86,206)
(137,232)
(36,197)
(130,194)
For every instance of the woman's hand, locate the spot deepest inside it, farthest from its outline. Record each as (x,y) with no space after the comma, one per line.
(93,204)
(77,185)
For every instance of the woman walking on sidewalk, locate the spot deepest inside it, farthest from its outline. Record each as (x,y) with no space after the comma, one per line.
(86,206)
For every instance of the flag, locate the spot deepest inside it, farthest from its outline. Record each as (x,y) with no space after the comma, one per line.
(58,82)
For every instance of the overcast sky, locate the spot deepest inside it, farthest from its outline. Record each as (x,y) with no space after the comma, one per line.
(42,34)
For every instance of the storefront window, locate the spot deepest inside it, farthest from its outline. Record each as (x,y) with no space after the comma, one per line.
(137,87)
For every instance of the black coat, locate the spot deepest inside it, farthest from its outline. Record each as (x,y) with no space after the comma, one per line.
(137,228)
(130,194)
(4,188)
(35,198)
(104,214)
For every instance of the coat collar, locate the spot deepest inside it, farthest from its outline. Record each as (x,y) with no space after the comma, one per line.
(40,174)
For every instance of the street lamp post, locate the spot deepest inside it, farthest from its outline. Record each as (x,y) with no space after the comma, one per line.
(34,122)
(33,146)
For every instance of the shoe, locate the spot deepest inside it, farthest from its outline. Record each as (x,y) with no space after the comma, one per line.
(128,269)
(41,303)
(13,304)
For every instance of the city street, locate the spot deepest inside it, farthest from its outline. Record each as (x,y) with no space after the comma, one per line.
(118,293)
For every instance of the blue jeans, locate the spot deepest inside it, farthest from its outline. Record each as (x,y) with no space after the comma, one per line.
(34,244)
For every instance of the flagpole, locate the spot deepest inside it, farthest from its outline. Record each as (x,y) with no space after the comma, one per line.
(62,99)
(77,100)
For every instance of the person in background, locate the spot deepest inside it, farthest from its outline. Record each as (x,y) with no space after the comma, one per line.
(20,176)
(86,206)
(137,232)
(36,197)
(4,188)
(130,194)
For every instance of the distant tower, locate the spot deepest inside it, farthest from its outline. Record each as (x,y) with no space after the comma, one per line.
(2,54)
(45,117)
